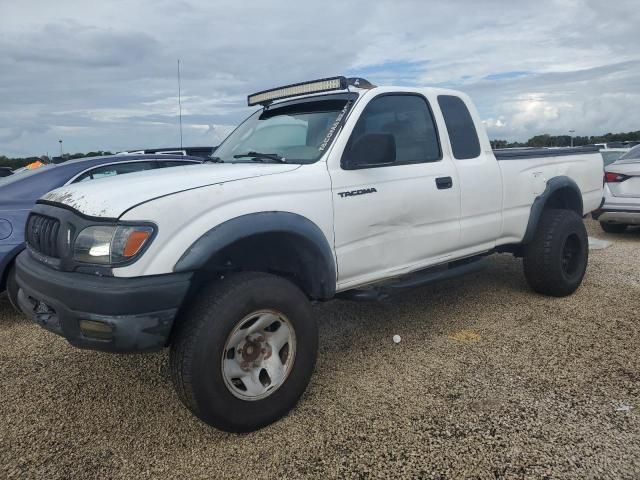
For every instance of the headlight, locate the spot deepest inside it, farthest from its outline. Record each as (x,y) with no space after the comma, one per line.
(110,245)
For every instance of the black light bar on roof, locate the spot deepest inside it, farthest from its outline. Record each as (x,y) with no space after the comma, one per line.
(315,86)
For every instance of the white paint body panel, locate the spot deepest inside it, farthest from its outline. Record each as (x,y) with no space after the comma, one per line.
(525,179)
(186,216)
(480,190)
(406,225)
(115,195)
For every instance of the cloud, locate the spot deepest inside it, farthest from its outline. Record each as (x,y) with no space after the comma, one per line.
(590,101)
(87,48)
(506,75)
(102,75)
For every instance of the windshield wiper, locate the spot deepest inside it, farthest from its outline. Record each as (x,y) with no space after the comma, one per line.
(259,156)
(214,160)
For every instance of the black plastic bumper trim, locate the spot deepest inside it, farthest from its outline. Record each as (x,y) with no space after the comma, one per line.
(140,311)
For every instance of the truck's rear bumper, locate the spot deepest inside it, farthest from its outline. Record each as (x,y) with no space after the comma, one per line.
(101,313)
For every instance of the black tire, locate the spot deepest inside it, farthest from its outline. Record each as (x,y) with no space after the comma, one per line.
(12,288)
(556,259)
(613,227)
(199,342)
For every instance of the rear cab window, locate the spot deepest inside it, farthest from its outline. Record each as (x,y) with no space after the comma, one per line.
(462,131)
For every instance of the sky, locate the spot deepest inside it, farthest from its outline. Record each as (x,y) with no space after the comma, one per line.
(103,75)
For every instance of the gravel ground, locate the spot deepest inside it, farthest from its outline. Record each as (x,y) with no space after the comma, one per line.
(489,381)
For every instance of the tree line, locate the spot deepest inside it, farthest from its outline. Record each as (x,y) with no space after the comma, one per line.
(547,140)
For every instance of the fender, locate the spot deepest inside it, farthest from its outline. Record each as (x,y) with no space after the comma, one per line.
(539,204)
(323,281)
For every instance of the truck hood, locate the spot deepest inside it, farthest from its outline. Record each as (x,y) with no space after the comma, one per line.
(111,197)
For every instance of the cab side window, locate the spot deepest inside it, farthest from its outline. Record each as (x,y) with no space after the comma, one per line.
(113,170)
(462,130)
(401,126)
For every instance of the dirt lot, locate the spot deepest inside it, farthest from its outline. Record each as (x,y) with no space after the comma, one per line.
(489,381)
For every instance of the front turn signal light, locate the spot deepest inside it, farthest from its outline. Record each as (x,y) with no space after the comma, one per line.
(135,242)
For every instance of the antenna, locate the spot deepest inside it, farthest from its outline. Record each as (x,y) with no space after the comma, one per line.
(180,103)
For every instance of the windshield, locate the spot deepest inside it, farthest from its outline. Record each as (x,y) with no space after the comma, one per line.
(297,133)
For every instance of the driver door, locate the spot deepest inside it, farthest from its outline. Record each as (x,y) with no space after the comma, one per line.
(399,214)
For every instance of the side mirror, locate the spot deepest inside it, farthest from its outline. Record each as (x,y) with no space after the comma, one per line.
(370,150)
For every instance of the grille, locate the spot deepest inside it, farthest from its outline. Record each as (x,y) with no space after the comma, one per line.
(42,234)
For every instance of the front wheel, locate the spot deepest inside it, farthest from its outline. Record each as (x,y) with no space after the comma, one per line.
(556,259)
(244,354)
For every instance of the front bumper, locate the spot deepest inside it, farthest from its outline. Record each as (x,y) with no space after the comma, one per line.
(101,313)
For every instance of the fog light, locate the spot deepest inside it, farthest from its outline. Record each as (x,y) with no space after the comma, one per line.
(92,328)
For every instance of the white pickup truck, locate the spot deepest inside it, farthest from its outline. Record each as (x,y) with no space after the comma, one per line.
(333,187)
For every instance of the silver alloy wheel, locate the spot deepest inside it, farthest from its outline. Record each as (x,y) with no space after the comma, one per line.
(258,355)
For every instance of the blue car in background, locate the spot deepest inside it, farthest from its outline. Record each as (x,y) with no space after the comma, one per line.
(19,192)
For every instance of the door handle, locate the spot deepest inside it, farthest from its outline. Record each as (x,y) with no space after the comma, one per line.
(444,182)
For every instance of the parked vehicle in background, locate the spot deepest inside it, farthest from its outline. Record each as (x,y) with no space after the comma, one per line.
(5,171)
(610,155)
(32,166)
(621,206)
(19,192)
(202,152)
(333,187)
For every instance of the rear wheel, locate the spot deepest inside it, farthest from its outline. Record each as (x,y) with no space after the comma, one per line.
(613,227)
(556,259)
(12,288)
(244,354)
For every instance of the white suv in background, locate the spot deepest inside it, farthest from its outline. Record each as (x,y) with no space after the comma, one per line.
(621,206)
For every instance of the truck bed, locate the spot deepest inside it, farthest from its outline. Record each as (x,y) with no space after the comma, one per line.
(524,180)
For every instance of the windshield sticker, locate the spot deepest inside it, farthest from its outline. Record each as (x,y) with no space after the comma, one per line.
(334,127)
